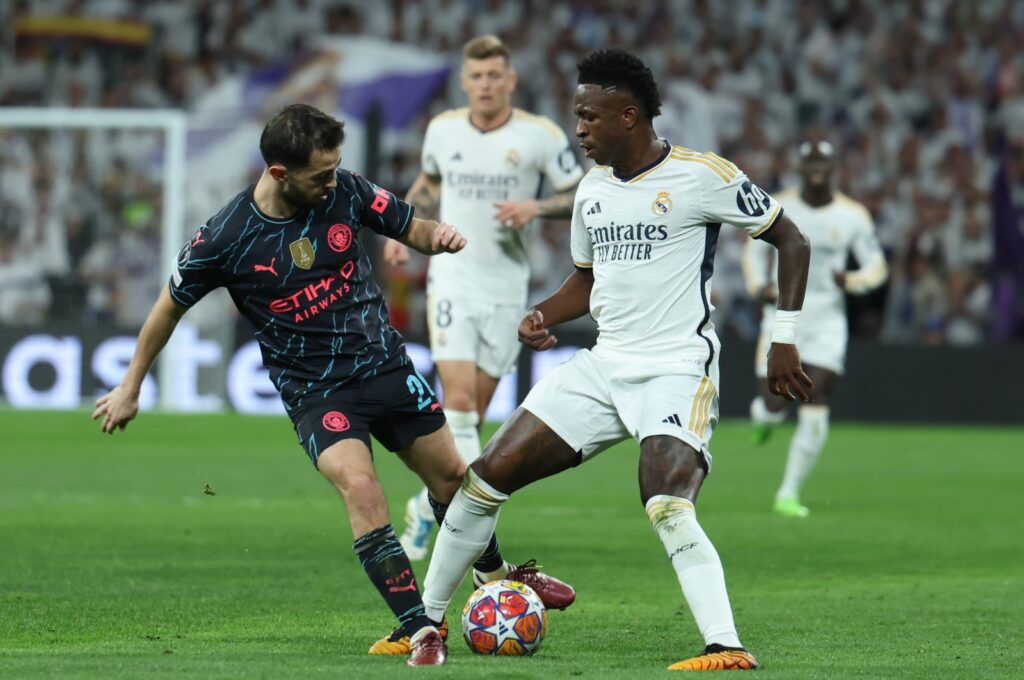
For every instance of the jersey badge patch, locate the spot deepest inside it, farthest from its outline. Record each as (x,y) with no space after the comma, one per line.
(662,204)
(512,158)
(339,237)
(302,253)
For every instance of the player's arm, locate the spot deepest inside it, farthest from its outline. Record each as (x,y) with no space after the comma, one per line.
(432,238)
(786,376)
(569,302)
(425,196)
(121,404)
(517,214)
(872,271)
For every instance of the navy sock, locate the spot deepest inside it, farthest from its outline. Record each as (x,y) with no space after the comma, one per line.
(389,569)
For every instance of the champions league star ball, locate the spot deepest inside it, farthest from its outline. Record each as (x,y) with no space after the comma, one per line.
(504,618)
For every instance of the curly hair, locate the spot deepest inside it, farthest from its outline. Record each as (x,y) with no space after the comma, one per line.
(614,67)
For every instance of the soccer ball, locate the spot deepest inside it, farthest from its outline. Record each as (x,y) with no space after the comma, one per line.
(504,618)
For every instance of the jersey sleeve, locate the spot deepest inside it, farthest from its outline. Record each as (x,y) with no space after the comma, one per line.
(199,267)
(872,270)
(560,164)
(580,245)
(381,210)
(729,197)
(428,155)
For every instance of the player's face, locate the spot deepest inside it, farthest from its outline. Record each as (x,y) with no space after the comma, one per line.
(602,122)
(816,169)
(309,186)
(488,84)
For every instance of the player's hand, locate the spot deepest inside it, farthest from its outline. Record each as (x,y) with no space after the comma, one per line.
(515,215)
(769,294)
(786,376)
(840,279)
(533,333)
(446,239)
(394,253)
(117,407)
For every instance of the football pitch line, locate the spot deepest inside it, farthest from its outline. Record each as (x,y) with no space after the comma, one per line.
(208,546)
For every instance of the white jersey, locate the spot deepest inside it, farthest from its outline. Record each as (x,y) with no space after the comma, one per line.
(650,240)
(834,230)
(478,169)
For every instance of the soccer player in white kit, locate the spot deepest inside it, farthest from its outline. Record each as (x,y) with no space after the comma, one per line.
(484,163)
(644,229)
(836,226)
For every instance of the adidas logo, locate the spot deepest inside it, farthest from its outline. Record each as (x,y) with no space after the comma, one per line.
(595,209)
(457,156)
(673,419)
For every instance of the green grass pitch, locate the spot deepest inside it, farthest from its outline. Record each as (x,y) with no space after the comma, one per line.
(116,563)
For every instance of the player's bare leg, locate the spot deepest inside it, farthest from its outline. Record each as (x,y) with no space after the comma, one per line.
(671,474)
(459,381)
(522,451)
(348,465)
(807,443)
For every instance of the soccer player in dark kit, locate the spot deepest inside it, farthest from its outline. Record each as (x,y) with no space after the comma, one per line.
(288,251)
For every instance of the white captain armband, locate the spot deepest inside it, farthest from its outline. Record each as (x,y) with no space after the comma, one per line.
(785,326)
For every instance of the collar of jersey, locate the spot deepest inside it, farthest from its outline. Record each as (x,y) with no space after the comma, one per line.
(265,217)
(643,171)
(469,119)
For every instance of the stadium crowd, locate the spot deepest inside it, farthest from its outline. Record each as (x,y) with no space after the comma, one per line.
(921,99)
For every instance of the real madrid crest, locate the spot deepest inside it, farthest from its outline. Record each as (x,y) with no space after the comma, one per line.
(512,158)
(662,204)
(302,252)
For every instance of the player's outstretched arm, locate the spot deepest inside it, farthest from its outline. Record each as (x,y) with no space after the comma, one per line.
(786,376)
(569,302)
(121,404)
(517,214)
(432,238)
(425,196)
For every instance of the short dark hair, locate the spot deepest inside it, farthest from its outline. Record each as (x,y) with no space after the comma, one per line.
(291,136)
(614,67)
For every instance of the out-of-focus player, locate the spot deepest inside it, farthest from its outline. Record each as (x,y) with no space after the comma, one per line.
(836,226)
(483,165)
(644,231)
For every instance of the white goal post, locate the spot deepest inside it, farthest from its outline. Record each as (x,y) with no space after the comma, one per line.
(173,123)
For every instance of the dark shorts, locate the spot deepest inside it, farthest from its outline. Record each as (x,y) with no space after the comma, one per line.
(395,407)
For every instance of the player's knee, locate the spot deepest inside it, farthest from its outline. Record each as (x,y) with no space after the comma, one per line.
(359,488)
(459,400)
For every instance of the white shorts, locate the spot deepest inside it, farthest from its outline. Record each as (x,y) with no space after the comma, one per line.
(820,340)
(593,403)
(463,329)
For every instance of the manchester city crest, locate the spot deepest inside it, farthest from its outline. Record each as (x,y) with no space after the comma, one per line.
(302,252)
(662,204)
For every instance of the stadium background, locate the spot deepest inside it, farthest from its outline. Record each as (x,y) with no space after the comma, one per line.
(204,545)
(923,100)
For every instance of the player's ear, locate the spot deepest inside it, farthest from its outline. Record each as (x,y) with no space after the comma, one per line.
(513,79)
(278,172)
(630,117)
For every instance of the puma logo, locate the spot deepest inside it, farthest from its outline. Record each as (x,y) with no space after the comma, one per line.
(266,267)
(198,239)
(393,588)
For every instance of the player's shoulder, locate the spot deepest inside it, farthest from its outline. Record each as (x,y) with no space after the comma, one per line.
(451,117)
(535,121)
(852,206)
(704,165)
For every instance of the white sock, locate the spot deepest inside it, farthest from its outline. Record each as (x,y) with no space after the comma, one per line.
(804,449)
(697,567)
(468,525)
(760,414)
(467,437)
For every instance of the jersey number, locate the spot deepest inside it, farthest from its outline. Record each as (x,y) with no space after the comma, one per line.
(421,389)
(443,318)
